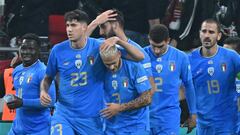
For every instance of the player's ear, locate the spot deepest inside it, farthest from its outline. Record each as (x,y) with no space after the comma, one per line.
(219,36)
(167,40)
(119,53)
(85,26)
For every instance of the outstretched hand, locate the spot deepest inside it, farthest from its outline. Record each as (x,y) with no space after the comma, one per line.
(108,15)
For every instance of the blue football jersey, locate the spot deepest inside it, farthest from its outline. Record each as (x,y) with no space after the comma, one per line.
(32,117)
(214,82)
(145,62)
(127,84)
(170,70)
(81,84)
(237,101)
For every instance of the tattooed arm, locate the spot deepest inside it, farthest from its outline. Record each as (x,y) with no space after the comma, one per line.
(143,100)
(113,109)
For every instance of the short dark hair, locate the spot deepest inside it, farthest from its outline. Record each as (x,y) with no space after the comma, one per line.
(158,33)
(211,20)
(233,41)
(78,15)
(119,17)
(32,36)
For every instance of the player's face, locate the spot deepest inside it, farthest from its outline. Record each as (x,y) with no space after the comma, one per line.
(112,63)
(106,30)
(158,48)
(209,35)
(75,30)
(29,52)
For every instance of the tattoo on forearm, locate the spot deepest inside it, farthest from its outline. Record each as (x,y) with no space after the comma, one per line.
(144,100)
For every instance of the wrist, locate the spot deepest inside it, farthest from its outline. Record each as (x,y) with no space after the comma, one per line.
(121,43)
(193,115)
(121,108)
(44,90)
(95,23)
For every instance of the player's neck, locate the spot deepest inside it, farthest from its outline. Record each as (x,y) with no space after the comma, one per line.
(79,43)
(164,50)
(119,64)
(205,52)
(26,65)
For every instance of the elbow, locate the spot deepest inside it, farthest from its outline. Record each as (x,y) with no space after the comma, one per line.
(152,91)
(141,56)
(47,79)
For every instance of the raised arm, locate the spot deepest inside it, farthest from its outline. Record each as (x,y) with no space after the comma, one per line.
(133,53)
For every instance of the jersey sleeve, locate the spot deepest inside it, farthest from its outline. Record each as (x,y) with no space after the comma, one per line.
(35,103)
(52,64)
(52,93)
(147,65)
(186,77)
(236,59)
(123,51)
(141,81)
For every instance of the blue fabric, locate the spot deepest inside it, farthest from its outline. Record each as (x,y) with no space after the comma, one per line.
(145,62)
(32,117)
(164,131)
(120,132)
(170,71)
(214,82)
(61,124)
(81,84)
(127,84)
(45,131)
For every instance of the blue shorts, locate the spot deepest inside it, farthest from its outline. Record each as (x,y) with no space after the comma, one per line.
(210,130)
(118,132)
(45,131)
(76,126)
(164,131)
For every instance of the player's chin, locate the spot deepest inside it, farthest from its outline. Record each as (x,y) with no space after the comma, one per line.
(71,38)
(208,46)
(114,70)
(27,60)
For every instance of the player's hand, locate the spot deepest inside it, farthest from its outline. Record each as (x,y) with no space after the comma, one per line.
(45,98)
(108,15)
(111,110)
(191,123)
(15,61)
(109,43)
(15,103)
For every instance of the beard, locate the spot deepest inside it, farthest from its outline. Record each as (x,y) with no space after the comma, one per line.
(208,44)
(111,33)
